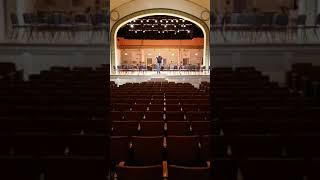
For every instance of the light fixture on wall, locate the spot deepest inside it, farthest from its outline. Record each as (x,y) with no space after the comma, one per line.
(196,54)
(172,54)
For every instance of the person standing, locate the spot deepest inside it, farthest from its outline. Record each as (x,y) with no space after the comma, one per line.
(159,61)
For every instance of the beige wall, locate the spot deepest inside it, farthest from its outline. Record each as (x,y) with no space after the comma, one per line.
(172,56)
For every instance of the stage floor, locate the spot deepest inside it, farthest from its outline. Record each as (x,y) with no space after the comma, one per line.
(195,78)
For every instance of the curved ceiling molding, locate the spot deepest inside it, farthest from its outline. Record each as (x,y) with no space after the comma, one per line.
(115,4)
(200,3)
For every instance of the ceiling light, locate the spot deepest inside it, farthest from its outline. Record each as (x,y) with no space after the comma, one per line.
(126,54)
(132,26)
(152,25)
(172,54)
(196,54)
(148,20)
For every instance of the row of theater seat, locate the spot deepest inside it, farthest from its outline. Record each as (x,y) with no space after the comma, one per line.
(160,115)
(158,128)
(155,131)
(54,126)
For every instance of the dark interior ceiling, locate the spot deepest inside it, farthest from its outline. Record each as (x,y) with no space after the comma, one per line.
(160,27)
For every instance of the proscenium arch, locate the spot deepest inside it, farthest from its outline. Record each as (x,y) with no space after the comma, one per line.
(160,11)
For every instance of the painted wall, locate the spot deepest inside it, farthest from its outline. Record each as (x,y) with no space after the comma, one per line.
(134,42)
(172,56)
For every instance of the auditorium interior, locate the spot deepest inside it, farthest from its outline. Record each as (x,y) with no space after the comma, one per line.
(159,89)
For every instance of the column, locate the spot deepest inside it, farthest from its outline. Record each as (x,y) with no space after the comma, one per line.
(301,7)
(2,21)
(25,6)
(318,7)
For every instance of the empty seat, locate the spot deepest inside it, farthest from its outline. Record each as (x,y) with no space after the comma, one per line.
(133,115)
(124,128)
(147,150)
(190,156)
(175,116)
(188,173)
(178,128)
(200,127)
(156,107)
(173,107)
(139,107)
(119,148)
(117,116)
(151,128)
(154,116)
(139,172)
(189,107)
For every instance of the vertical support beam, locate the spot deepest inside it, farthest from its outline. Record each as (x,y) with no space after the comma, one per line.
(301,7)
(25,6)
(2,21)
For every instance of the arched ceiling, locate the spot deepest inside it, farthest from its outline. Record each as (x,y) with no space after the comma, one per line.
(116,3)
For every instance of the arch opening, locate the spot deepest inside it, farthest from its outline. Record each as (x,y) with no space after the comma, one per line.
(158,12)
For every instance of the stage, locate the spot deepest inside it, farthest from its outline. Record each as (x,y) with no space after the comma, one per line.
(195,78)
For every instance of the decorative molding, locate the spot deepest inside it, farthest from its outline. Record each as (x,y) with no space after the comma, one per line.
(197,4)
(205,15)
(114,15)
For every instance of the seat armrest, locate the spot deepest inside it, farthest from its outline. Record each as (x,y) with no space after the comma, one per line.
(165,169)
(208,164)
(121,163)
